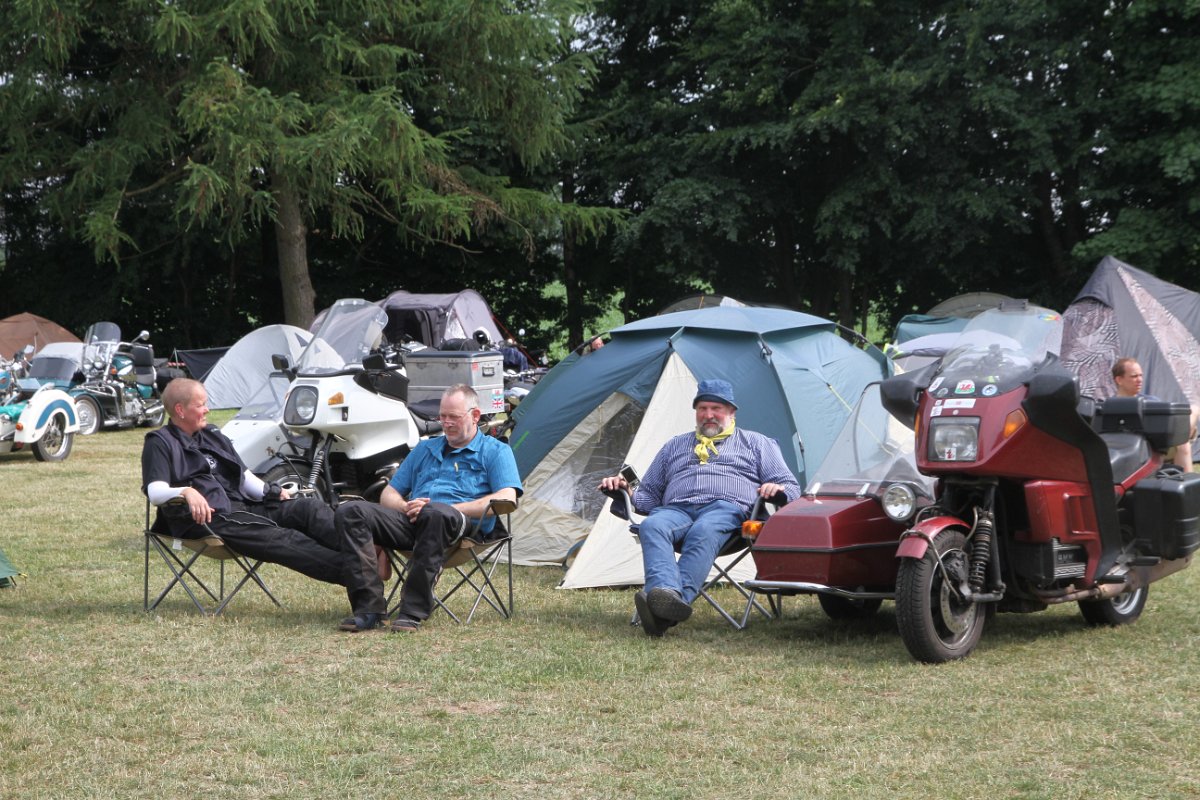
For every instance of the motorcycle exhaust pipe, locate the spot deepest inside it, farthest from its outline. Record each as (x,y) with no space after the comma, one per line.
(1104,591)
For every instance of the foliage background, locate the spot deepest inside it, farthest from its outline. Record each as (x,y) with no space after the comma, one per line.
(855,159)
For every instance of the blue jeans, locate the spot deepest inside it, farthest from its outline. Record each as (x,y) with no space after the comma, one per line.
(700,530)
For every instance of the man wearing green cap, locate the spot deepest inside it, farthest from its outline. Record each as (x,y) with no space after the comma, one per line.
(700,487)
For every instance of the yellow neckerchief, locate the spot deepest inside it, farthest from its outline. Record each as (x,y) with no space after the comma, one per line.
(707,443)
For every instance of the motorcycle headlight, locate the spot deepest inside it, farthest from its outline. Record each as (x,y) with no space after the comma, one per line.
(899,502)
(301,406)
(954,438)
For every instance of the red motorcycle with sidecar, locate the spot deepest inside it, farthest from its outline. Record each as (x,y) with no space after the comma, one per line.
(1008,494)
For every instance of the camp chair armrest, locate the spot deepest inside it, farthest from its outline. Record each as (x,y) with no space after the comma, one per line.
(622,503)
(500,507)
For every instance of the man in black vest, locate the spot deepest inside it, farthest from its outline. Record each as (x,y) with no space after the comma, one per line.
(191,460)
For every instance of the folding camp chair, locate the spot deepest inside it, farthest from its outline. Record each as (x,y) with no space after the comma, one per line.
(181,557)
(737,545)
(469,570)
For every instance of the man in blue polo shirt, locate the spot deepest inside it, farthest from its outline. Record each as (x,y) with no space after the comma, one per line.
(700,486)
(429,504)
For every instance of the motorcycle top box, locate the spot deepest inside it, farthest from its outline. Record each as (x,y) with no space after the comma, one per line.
(431,371)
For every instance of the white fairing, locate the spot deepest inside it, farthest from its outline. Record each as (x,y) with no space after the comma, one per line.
(364,423)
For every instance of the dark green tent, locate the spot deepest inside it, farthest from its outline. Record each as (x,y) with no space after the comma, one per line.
(8,572)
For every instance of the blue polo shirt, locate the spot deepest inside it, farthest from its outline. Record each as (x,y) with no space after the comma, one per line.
(445,475)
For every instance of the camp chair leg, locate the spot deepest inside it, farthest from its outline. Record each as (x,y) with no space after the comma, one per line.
(250,573)
(399,572)
(179,570)
(752,604)
(484,566)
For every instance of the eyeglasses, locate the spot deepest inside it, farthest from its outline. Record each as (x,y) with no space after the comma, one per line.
(455,417)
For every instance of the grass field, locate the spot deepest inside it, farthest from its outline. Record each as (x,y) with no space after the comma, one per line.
(99,700)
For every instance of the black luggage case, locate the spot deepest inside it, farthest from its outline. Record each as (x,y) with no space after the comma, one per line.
(1166,513)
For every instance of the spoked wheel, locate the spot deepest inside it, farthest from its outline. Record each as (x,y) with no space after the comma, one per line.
(1120,610)
(88,412)
(936,623)
(836,607)
(55,444)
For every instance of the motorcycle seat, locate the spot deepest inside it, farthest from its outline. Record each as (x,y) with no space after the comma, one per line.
(1126,452)
(425,415)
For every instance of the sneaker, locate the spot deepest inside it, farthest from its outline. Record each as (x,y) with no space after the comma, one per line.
(362,622)
(668,605)
(651,624)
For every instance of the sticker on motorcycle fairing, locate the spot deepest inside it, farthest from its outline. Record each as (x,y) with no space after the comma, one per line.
(968,403)
(933,387)
(989,390)
(936,411)
(942,392)
(965,387)
(937,402)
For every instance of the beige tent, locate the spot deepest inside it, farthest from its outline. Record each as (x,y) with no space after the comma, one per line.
(22,329)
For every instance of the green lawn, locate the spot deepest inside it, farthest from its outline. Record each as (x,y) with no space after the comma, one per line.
(99,700)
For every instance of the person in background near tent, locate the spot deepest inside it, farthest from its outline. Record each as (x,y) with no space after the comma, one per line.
(1129,377)
(187,459)
(594,345)
(427,507)
(700,487)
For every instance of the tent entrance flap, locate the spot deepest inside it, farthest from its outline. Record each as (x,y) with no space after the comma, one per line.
(558,499)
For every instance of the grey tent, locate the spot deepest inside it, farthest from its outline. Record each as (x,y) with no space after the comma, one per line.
(432,319)
(246,366)
(795,377)
(1124,311)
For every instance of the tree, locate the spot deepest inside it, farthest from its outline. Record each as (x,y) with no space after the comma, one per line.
(290,115)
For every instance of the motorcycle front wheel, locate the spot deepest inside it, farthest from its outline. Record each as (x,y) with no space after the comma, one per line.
(287,477)
(936,623)
(55,445)
(88,412)
(1120,610)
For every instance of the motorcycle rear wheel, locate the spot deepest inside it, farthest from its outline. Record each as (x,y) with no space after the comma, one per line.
(55,445)
(1120,610)
(88,412)
(936,624)
(839,608)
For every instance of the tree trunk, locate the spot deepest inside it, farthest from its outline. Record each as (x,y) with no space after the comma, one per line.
(291,236)
(570,281)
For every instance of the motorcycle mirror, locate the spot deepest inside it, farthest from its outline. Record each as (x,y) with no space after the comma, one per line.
(28,350)
(143,336)
(374,361)
(281,362)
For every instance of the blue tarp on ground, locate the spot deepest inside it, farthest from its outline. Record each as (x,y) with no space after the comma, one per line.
(7,571)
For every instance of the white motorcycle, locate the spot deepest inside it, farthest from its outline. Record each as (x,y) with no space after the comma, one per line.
(344,422)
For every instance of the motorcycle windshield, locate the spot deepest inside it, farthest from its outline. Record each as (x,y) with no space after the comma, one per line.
(53,368)
(997,351)
(99,344)
(102,332)
(872,451)
(349,332)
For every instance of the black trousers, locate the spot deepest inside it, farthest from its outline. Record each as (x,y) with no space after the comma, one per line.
(299,534)
(363,525)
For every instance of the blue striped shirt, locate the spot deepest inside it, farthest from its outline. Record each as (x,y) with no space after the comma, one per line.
(744,461)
